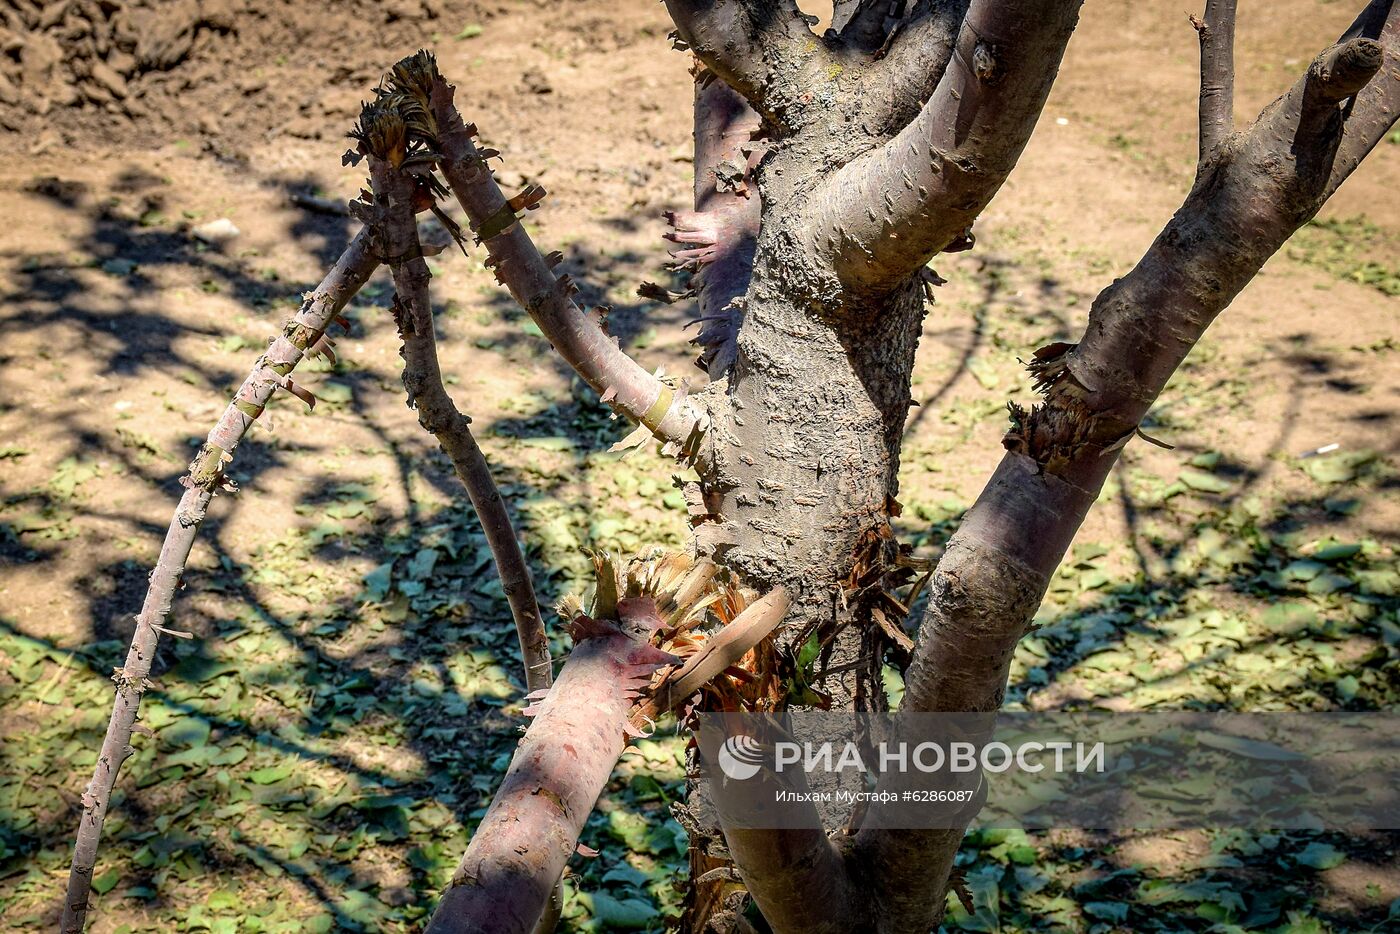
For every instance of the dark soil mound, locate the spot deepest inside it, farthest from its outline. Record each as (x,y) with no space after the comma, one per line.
(83,72)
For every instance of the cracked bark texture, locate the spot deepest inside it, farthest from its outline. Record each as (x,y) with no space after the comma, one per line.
(804,440)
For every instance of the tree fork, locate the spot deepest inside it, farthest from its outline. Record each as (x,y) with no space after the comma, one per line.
(1246,202)
(579,339)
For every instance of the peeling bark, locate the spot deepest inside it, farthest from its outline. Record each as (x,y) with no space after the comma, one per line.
(518,851)
(725,223)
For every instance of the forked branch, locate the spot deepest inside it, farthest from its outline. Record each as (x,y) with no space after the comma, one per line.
(579,338)
(914,54)
(884,215)
(764,49)
(1268,182)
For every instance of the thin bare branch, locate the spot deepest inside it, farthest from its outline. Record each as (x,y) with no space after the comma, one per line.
(1217,105)
(884,215)
(1372,112)
(394,195)
(303,333)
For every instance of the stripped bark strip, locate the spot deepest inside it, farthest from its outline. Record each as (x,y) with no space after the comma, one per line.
(579,338)
(394,197)
(723,229)
(532,827)
(725,648)
(205,478)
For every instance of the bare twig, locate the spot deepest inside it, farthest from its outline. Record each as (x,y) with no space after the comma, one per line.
(319,205)
(1217,105)
(394,196)
(303,333)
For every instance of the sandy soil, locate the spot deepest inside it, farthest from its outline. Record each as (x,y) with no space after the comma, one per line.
(121,334)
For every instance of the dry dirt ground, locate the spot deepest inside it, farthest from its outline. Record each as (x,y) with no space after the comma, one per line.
(121,335)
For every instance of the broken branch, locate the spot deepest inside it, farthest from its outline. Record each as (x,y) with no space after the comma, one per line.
(580,340)
(517,853)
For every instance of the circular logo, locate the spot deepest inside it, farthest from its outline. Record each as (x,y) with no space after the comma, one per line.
(740,757)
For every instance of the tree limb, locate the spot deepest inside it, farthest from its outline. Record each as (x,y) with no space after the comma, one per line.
(1217,103)
(864,24)
(519,850)
(304,332)
(579,339)
(884,215)
(914,56)
(1265,184)
(1371,113)
(394,194)
(764,49)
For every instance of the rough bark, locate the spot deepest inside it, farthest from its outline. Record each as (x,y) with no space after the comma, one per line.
(1249,198)
(303,332)
(763,49)
(884,215)
(913,54)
